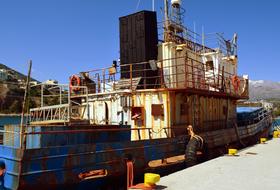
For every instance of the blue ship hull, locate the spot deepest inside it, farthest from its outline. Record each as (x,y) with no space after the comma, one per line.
(56,166)
(55,156)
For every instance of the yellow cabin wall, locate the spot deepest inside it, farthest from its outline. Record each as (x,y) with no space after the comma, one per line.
(210,110)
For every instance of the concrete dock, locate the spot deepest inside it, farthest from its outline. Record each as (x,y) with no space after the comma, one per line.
(255,168)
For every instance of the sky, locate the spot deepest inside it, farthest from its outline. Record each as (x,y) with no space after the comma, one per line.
(64,37)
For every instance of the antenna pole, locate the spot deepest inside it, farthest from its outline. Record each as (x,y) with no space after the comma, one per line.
(203,39)
(166,10)
(166,19)
(153,5)
(194,30)
(24,105)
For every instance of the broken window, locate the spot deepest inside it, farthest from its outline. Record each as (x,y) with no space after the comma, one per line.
(137,113)
(157,110)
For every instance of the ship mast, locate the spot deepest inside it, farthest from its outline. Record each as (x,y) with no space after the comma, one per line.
(166,19)
(173,29)
(24,106)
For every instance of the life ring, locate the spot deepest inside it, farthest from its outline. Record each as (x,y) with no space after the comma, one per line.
(235,82)
(75,82)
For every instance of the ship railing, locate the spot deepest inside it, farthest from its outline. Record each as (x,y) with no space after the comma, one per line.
(201,43)
(189,73)
(174,73)
(100,80)
(55,113)
(251,129)
(167,130)
(263,113)
(60,103)
(33,133)
(54,136)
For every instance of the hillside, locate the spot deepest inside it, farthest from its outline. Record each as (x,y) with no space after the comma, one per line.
(15,73)
(12,85)
(266,90)
(262,89)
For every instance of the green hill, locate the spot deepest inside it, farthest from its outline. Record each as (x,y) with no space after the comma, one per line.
(12,91)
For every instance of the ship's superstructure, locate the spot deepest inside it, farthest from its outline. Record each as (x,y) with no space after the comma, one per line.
(136,109)
(176,82)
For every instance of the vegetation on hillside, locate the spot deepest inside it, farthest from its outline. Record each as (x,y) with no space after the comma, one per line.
(276,105)
(11,98)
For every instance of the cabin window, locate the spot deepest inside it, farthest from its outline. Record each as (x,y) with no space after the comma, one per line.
(157,110)
(209,65)
(137,113)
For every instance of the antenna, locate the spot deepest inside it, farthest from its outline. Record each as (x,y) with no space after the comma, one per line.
(173,26)
(153,5)
(166,10)
(194,30)
(203,39)
(176,11)
(166,20)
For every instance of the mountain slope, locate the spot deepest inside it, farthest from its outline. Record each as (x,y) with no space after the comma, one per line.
(12,91)
(262,89)
(16,74)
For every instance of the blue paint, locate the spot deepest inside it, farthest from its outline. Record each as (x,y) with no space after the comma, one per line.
(9,120)
(247,109)
(2,174)
(60,158)
(64,163)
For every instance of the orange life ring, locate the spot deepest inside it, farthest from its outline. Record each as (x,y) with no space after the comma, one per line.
(235,82)
(75,82)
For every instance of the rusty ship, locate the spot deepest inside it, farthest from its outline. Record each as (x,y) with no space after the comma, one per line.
(136,109)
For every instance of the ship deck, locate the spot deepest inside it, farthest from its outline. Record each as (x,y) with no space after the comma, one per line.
(254,167)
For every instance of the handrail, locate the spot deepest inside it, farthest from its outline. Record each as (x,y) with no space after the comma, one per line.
(49,107)
(195,72)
